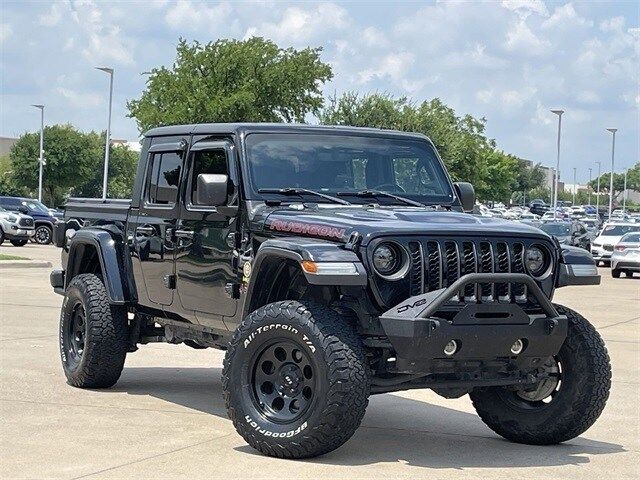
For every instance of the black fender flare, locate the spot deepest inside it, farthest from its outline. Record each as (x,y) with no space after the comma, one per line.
(109,246)
(299,250)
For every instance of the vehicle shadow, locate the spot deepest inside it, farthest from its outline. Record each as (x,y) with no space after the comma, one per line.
(395,429)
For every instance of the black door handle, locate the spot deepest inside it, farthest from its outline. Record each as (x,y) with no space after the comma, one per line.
(179,233)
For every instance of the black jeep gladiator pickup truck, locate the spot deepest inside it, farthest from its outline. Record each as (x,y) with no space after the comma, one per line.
(330,263)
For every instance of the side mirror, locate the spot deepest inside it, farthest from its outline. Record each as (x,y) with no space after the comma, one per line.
(23,209)
(466,194)
(212,189)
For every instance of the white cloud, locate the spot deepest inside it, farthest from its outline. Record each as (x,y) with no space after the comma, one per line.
(587,96)
(374,37)
(517,98)
(475,56)
(612,24)
(298,25)
(521,39)
(80,99)
(52,17)
(565,16)
(5,31)
(524,8)
(193,16)
(484,96)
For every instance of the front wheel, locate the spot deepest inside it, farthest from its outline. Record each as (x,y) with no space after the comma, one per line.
(563,405)
(295,380)
(615,273)
(43,235)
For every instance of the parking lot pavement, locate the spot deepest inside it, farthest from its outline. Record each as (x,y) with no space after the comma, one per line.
(165,418)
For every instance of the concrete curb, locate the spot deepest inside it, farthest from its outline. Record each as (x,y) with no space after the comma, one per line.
(24,264)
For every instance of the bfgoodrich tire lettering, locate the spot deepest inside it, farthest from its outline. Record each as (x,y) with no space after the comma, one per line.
(93,334)
(577,403)
(324,342)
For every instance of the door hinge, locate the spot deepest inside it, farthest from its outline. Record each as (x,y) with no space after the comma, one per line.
(169,281)
(232,290)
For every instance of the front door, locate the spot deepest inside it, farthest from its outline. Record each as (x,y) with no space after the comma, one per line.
(205,265)
(155,223)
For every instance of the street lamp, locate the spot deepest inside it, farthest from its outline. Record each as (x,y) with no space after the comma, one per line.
(575,187)
(108,139)
(613,151)
(589,188)
(598,192)
(624,195)
(41,158)
(555,196)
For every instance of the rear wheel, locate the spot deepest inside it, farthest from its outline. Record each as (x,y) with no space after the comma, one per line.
(93,334)
(629,273)
(560,407)
(19,243)
(43,234)
(295,380)
(615,273)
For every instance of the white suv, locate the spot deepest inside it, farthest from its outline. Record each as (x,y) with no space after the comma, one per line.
(15,227)
(612,232)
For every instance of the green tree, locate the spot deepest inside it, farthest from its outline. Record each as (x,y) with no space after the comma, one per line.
(633,182)
(74,165)
(233,81)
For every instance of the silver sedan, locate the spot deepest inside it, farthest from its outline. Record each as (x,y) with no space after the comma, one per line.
(626,255)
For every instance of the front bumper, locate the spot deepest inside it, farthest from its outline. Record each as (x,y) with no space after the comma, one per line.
(600,253)
(16,232)
(482,331)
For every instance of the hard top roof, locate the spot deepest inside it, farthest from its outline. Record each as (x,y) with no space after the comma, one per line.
(234,128)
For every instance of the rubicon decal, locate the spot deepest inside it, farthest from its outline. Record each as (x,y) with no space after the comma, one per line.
(307,228)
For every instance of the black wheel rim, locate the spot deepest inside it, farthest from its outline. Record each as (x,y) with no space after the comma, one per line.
(76,334)
(283,381)
(42,235)
(541,395)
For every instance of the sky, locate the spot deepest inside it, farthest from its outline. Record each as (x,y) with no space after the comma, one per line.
(508,61)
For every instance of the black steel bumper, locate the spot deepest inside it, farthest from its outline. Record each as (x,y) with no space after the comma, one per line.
(56,277)
(483,332)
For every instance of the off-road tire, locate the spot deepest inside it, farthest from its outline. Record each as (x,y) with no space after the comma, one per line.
(1,236)
(582,395)
(615,273)
(337,408)
(105,334)
(19,243)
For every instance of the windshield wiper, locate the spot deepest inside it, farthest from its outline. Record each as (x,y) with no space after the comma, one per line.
(378,193)
(302,191)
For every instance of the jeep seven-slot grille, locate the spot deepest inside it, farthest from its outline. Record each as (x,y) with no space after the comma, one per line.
(437,264)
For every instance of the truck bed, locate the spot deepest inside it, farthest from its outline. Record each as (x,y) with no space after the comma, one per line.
(92,210)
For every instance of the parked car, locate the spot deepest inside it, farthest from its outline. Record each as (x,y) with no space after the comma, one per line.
(44,220)
(626,255)
(539,207)
(324,285)
(15,227)
(612,232)
(568,233)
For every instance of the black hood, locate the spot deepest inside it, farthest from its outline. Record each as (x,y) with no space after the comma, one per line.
(338,223)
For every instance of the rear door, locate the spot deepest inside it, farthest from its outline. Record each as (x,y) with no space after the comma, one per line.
(205,252)
(154,225)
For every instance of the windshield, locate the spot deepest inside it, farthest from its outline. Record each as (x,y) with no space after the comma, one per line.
(617,230)
(340,163)
(556,229)
(35,205)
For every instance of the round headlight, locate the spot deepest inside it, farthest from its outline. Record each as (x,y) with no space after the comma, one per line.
(386,259)
(535,261)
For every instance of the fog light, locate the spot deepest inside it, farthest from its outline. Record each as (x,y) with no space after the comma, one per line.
(451,348)
(517,347)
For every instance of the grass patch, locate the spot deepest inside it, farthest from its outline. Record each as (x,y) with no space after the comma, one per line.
(11,257)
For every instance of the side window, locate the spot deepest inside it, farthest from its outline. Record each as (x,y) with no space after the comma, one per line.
(165,178)
(207,161)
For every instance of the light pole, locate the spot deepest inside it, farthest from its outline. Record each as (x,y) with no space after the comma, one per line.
(613,151)
(108,140)
(555,195)
(624,195)
(589,187)
(598,192)
(575,186)
(41,158)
